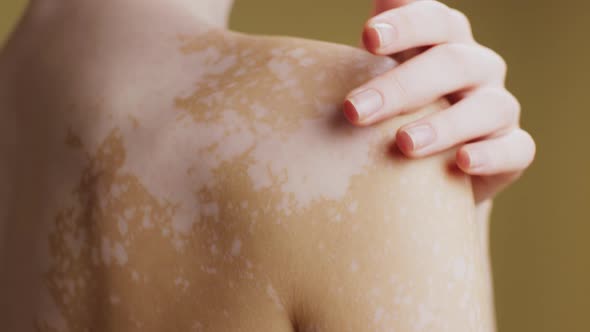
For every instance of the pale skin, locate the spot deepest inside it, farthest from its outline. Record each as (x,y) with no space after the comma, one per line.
(484,118)
(164,173)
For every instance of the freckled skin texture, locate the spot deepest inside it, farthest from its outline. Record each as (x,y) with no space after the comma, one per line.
(170,177)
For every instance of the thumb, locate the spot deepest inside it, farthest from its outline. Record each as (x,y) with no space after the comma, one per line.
(385,5)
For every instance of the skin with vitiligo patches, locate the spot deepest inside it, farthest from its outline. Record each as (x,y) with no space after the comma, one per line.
(214,185)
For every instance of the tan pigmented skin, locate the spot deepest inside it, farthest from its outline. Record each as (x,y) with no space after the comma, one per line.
(212,184)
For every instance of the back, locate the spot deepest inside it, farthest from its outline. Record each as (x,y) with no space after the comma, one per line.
(206,180)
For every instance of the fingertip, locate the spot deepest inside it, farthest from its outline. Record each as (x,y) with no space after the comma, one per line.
(371,39)
(351,113)
(362,106)
(404,142)
(463,160)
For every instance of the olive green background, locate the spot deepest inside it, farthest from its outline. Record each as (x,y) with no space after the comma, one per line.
(541,226)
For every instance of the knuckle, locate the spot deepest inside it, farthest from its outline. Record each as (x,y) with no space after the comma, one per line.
(459,57)
(461,24)
(460,17)
(486,61)
(502,65)
(513,104)
(508,105)
(435,6)
(532,146)
(454,23)
(453,51)
(497,60)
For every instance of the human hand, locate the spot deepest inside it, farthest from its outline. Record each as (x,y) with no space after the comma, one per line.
(439,58)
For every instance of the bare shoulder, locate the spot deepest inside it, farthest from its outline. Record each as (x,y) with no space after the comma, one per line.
(229,151)
(340,195)
(285,95)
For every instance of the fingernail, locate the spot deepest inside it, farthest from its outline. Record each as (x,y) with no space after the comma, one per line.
(421,136)
(476,159)
(365,104)
(385,32)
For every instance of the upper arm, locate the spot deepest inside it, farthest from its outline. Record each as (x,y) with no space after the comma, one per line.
(385,242)
(399,249)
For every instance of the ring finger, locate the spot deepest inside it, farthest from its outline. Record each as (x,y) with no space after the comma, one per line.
(484,112)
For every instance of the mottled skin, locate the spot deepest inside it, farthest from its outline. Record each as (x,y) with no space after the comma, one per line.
(171,177)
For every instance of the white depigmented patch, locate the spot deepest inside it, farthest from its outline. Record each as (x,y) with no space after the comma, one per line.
(123,227)
(147,222)
(259,110)
(338,218)
(305,177)
(50,314)
(281,69)
(378,315)
(236,247)
(184,219)
(115,299)
(297,53)
(270,291)
(260,176)
(197,326)
(354,266)
(284,206)
(353,206)
(182,283)
(213,249)
(240,72)
(209,270)
(120,254)
(178,243)
(425,318)
(307,62)
(129,212)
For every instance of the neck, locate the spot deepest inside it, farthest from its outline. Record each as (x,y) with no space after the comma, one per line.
(209,12)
